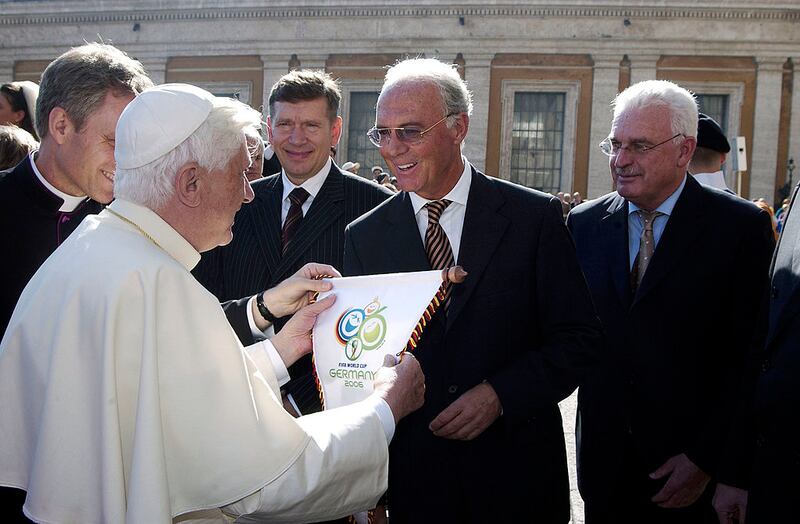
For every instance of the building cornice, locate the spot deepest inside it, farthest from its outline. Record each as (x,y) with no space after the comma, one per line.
(271,13)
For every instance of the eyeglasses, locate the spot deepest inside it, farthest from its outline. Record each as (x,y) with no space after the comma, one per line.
(407,135)
(612,147)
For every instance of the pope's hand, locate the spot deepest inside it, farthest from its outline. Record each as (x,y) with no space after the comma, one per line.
(401,385)
(294,340)
(295,292)
(469,415)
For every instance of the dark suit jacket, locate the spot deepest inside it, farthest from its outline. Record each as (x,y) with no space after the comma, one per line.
(32,227)
(252,262)
(675,350)
(522,321)
(772,428)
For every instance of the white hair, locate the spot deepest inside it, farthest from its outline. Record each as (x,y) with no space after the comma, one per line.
(456,98)
(213,145)
(661,93)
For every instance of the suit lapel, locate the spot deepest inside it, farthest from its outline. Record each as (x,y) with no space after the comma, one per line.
(685,224)
(614,231)
(484,227)
(786,272)
(266,219)
(325,209)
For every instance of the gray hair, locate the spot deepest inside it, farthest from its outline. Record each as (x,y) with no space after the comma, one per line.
(213,145)
(78,81)
(456,98)
(661,93)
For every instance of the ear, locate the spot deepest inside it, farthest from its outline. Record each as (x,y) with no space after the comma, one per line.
(336,131)
(187,184)
(60,126)
(460,128)
(269,128)
(686,151)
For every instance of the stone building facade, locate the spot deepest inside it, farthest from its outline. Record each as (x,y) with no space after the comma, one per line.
(542,72)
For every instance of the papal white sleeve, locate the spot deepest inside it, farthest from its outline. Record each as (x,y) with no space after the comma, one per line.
(332,478)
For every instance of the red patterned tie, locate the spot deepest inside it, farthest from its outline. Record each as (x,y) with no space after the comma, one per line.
(297,197)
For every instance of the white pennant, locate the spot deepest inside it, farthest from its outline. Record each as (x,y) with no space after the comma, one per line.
(373,316)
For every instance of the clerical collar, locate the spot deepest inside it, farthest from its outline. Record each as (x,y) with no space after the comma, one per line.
(312,185)
(457,195)
(155,229)
(70,202)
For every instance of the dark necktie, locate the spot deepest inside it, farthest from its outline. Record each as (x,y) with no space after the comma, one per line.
(296,198)
(437,245)
(647,246)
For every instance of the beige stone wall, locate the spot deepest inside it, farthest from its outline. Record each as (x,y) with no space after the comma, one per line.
(248,46)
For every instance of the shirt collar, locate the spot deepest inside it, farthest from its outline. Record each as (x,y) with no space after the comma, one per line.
(147,222)
(715,179)
(457,195)
(312,185)
(70,202)
(667,205)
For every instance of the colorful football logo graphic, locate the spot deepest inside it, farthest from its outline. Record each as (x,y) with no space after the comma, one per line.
(360,330)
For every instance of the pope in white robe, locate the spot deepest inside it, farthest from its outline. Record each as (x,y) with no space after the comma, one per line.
(125,395)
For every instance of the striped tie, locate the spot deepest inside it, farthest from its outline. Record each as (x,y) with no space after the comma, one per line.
(297,197)
(437,245)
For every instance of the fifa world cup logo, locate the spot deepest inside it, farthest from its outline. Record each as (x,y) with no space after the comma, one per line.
(360,330)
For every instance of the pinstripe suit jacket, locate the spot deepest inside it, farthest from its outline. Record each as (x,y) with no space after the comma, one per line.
(252,262)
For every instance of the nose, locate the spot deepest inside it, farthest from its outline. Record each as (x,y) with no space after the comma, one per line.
(297,135)
(622,158)
(248,192)
(392,146)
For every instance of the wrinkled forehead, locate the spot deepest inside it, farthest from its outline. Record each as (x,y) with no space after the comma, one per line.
(641,123)
(408,101)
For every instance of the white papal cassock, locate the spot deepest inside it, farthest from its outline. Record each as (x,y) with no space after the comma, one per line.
(126,397)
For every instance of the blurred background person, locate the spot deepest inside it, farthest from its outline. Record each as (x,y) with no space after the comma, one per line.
(353,167)
(18,105)
(255,146)
(709,156)
(15,145)
(763,204)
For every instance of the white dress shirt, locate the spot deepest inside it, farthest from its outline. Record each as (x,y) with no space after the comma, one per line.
(452,219)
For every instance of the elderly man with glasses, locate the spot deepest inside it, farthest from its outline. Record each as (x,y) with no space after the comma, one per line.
(510,342)
(676,271)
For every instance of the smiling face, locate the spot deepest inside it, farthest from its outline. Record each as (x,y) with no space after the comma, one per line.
(648,178)
(86,157)
(432,167)
(301,135)
(256,148)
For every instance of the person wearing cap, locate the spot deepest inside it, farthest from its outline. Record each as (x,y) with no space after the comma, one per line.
(376,170)
(125,395)
(352,167)
(297,216)
(712,148)
(45,197)
(18,105)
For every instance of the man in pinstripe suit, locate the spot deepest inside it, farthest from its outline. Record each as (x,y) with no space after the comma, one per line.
(297,216)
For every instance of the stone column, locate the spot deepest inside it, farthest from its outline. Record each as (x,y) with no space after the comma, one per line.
(477,73)
(794,124)
(764,149)
(275,66)
(156,68)
(604,89)
(643,66)
(6,71)
(316,61)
